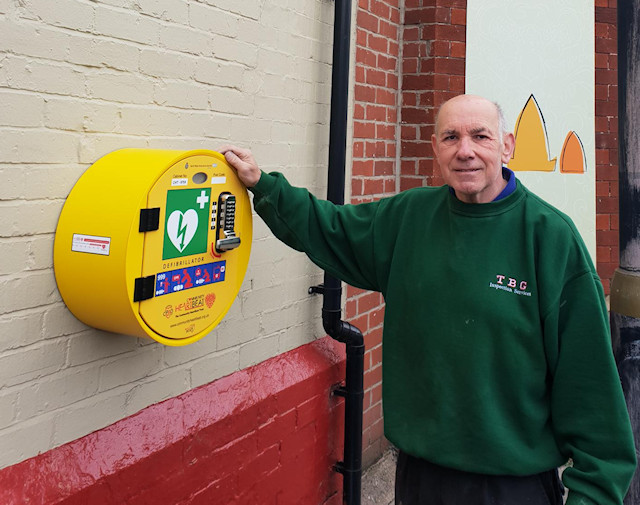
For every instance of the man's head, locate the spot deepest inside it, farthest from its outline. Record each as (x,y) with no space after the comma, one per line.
(471,146)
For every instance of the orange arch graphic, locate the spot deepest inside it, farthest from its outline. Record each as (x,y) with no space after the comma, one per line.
(572,159)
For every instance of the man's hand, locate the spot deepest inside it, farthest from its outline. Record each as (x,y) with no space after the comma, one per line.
(243,162)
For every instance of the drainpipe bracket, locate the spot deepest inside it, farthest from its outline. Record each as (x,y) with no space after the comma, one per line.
(317,290)
(339,390)
(340,467)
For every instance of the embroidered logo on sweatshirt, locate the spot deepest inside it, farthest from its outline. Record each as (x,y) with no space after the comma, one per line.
(511,285)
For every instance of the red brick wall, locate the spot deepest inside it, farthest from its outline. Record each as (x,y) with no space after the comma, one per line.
(374,175)
(375,93)
(268,434)
(433,68)
(606,107)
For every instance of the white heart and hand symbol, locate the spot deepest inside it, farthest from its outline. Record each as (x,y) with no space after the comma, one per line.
(182,227)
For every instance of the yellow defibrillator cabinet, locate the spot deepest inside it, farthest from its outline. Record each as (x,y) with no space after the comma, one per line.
(154,243)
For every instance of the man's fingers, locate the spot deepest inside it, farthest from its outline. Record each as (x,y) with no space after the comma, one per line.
(243,163)
(230,156)
(241,153)
(227,147)
(237,154)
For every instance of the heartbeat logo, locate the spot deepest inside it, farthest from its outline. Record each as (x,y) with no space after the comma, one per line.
(181,227)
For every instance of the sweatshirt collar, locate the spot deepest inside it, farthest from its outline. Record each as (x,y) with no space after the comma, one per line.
(510,196)
(508,176)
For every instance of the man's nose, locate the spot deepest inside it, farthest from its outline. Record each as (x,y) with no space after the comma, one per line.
(465,148)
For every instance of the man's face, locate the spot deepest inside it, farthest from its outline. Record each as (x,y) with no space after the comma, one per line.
(469,149)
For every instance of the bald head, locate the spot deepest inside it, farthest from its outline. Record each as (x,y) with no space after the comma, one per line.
(474,100)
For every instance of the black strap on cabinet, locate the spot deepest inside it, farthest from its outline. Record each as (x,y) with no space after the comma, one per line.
(149,219)
(144,288)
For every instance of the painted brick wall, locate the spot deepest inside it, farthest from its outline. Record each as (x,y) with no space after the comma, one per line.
(79,79)
(606,107)
(268,434)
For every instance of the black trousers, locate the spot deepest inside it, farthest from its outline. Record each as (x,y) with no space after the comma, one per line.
(419,482)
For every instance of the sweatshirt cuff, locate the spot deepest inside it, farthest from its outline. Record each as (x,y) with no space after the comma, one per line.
(264,185)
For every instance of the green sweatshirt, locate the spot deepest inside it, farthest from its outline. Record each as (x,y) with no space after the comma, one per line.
(496,349)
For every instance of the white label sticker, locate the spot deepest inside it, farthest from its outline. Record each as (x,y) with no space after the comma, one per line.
(179,182)
(218,180)
(91,244)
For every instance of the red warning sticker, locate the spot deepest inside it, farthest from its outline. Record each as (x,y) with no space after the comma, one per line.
(91,244)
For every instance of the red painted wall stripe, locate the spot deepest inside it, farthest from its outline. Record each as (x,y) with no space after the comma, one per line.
(267,434)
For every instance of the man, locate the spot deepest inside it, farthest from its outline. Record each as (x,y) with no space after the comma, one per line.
(497,363)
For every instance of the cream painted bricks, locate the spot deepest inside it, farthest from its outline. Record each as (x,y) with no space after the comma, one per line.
(80,79)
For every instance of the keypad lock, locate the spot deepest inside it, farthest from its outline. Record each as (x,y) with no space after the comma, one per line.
(226,238)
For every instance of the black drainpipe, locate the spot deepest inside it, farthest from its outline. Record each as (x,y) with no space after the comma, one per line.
(352,391)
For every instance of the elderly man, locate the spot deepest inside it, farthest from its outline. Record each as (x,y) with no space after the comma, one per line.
(497,363)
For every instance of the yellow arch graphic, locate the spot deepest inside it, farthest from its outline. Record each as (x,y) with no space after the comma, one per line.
(532,148)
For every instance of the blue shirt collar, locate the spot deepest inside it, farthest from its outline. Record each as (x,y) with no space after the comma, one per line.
(510,177)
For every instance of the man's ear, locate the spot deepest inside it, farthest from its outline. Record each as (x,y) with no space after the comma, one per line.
(508,146)
(434,144)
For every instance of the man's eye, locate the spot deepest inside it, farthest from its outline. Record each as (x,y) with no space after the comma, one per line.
(482,137)
(450,137)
